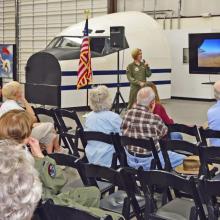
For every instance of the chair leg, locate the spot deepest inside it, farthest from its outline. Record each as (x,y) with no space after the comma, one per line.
(126,208)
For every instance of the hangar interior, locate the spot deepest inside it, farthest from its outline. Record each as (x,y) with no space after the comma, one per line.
(165,31)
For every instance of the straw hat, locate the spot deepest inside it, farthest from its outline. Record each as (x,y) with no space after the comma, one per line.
(190,166)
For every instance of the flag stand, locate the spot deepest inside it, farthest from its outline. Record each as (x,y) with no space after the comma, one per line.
(87,96)
(118,95)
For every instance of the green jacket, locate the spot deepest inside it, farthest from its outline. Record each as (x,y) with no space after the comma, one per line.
(53,180)
(136,74)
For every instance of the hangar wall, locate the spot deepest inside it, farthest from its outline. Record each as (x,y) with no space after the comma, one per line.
(185,84)
(40,21)
(188,7)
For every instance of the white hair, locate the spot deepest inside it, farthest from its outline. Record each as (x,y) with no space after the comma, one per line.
(145,96)
(100,99)
(20,186)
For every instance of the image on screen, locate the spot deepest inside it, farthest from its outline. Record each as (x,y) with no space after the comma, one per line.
(209,53)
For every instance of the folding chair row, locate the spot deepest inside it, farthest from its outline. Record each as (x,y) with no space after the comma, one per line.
(70,139)
(134,201)
(200,134)
(50,211)
(129,201)
(75,163)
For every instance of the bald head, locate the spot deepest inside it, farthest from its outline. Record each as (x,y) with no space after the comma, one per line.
(145,96)
(217,90)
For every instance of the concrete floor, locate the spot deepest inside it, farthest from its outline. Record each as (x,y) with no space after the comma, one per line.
(187,112)
(182,111)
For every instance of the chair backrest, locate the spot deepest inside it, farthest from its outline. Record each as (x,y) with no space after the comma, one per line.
(96,172)
(45,112)
(178,146)
(210,190)
(102,137)
(208,133)
(64,113)
(50,211)
(208,155)
(98,136)
(70,139)
(120,154)
(165,180)
(147,144)
(185,129)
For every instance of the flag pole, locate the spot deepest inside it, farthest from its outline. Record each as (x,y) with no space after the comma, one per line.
(87,12)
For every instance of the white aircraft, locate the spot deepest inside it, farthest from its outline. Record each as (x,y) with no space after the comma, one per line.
(57,65)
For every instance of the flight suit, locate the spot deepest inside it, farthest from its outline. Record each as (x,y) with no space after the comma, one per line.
(136,74)
(83,198)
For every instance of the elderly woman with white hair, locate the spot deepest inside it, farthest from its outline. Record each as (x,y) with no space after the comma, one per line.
(20,186)
(101,119)
(43,132)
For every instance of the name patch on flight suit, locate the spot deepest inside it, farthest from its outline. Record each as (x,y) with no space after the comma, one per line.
(51,170)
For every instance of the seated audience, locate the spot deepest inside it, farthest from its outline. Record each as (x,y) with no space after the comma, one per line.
(140,122)
(44,132)
(16,125)
(161,111)
(19,183)
(101,119)
(214,115)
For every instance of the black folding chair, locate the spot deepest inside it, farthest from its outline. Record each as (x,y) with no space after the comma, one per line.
(105,138)
(69,135)
(209,191)
(177,208)
(209,155)
(50,211)
(101,137)
(177,146)
(120,155)
(207,134)
(147,144)
(185,129)
(121,201)
(44,112)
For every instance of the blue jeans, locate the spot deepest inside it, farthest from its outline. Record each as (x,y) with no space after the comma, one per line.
(136,162)
(176,136)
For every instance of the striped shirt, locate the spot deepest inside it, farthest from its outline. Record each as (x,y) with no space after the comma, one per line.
(139,122)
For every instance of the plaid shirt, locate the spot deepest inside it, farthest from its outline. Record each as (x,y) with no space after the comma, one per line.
(139,122)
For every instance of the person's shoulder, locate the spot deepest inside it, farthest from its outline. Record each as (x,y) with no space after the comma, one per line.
(158,106)
(130,65)
(10,103)
(111,115)
(214,108)
(157,118)
(90,114)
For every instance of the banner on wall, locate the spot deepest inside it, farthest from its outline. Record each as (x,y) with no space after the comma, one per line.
(7,61)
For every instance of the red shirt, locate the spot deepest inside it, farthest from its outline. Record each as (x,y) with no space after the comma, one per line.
(160,110)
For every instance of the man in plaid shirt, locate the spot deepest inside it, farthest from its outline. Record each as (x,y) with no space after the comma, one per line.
(140,122)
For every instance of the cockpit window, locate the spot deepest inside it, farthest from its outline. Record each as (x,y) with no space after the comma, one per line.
(99,46)
(66,42)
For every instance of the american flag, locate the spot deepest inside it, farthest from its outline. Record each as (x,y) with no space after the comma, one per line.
(85,70)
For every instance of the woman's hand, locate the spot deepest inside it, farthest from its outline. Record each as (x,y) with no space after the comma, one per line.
(142,84)
(35,148)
